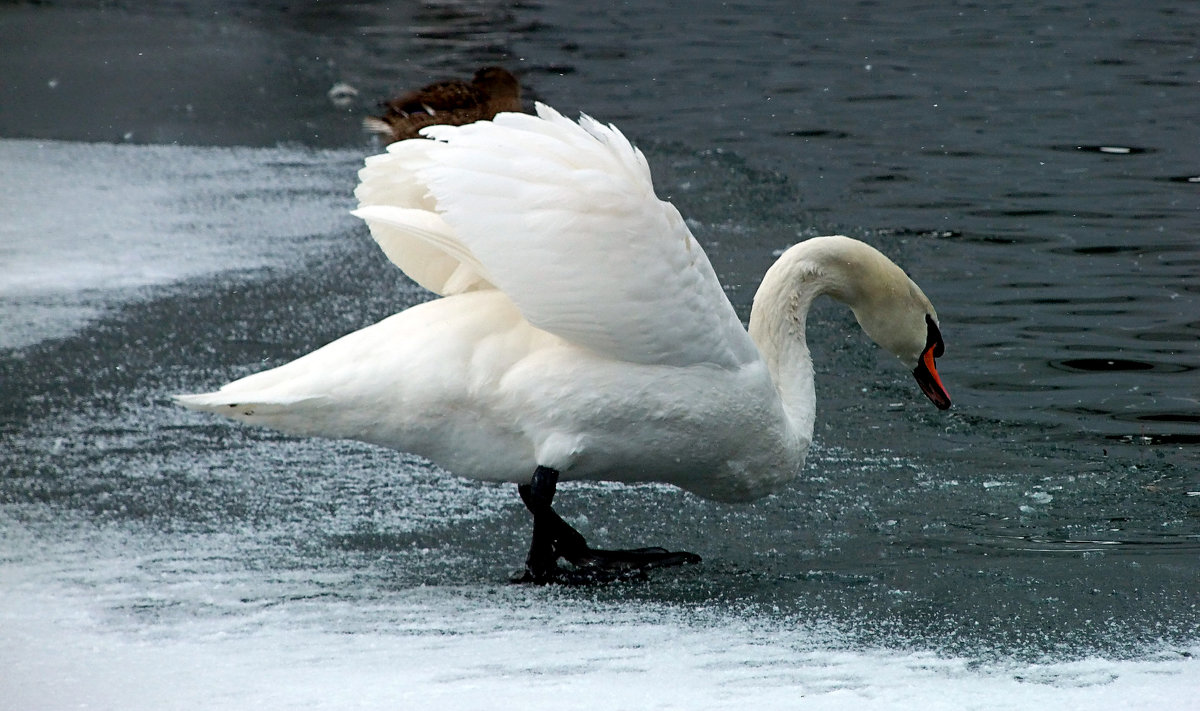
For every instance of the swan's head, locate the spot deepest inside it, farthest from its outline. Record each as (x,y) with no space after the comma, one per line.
(916,343)
(889,306)
(897,315)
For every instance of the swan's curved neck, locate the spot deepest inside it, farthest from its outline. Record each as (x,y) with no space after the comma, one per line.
(777,325)
(822,265)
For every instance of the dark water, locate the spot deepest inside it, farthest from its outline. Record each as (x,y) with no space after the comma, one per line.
(1033,167)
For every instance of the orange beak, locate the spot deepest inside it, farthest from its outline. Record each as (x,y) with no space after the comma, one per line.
(926,372)
(930,382)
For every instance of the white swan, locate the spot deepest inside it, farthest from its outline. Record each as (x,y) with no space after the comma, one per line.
(581,331)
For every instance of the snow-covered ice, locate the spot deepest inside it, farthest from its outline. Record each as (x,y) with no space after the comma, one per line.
(88,224)
(456,649)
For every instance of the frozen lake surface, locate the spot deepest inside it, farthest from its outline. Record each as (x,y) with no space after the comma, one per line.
(154,559)
(467,648)
(97,220)
(1037,547)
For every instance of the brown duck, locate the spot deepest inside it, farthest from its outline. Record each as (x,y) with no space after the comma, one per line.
(454,102)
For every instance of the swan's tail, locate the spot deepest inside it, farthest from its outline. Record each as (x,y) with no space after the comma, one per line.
(291,414)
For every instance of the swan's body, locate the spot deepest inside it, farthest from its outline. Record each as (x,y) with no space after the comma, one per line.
(580,329)
(470,384)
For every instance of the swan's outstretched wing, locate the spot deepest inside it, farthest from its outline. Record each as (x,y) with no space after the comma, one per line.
(561,217)
(405,223)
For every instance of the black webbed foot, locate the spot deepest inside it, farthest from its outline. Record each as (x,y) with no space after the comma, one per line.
(554,538)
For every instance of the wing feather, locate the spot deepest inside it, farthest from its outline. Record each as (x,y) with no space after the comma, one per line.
(562,218)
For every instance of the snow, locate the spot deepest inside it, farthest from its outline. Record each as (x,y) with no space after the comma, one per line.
(86,225)
(451,649)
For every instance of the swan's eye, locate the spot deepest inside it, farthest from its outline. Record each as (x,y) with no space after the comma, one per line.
(934,338)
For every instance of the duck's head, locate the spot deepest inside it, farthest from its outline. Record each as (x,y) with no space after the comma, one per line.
(497,82)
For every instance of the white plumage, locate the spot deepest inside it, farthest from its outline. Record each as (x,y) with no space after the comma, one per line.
(580,326)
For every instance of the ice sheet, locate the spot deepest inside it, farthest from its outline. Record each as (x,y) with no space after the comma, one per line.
(86,225)
(453,650)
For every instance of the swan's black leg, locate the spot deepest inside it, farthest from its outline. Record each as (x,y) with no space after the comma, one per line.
(554,538)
